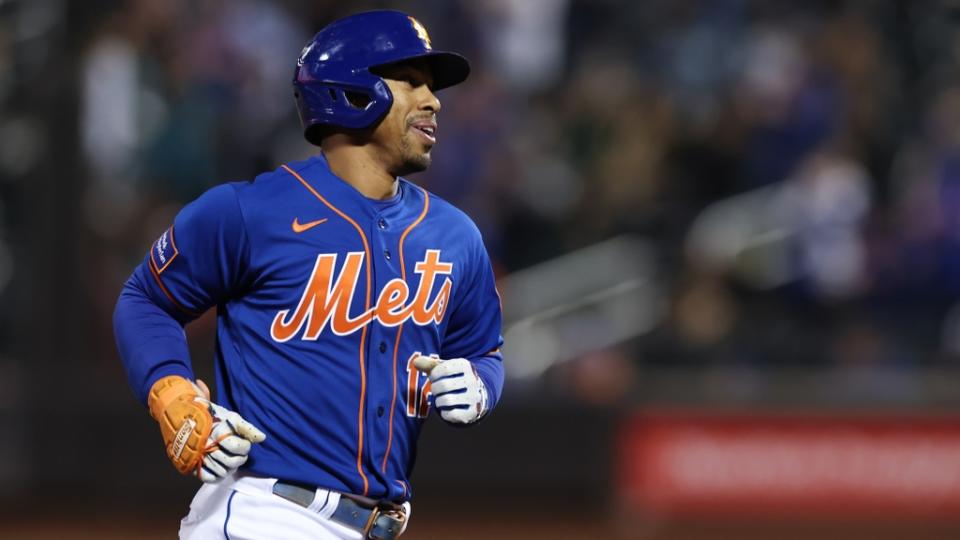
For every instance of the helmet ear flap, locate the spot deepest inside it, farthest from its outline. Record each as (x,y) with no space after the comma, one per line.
(334,97)
(357,100)
(340,104)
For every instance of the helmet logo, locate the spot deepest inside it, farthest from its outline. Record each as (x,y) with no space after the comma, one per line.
(421,32)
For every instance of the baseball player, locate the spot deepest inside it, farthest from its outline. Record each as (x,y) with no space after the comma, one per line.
(350,303)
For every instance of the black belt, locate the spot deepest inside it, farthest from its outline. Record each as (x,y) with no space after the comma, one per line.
(377,520)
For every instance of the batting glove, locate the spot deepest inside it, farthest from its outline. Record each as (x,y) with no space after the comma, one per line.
(458,392)
(203,439)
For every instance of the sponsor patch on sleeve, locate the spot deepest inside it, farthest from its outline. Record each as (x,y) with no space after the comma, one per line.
(164,251)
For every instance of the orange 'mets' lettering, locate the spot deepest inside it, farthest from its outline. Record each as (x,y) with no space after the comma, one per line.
(327,300)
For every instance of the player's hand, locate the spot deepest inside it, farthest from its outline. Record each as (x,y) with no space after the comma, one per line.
(458,392)
(202,438)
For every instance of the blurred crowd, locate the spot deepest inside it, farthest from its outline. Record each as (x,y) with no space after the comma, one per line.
(796,165)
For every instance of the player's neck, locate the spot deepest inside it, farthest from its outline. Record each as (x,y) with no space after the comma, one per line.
(357,166)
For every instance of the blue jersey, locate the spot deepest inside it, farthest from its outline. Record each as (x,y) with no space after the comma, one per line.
(324,298)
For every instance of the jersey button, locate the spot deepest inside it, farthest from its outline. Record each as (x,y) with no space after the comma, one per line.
(386,253)
(382,223)
(383,346)
(380,411)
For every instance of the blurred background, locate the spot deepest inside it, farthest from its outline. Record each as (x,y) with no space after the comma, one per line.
(727,235)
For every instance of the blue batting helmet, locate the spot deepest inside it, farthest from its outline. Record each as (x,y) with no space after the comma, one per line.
(335,67)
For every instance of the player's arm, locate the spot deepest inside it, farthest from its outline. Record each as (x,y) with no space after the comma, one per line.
(198,262)
(467,386)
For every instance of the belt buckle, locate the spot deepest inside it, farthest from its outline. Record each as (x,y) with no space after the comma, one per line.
(384,523)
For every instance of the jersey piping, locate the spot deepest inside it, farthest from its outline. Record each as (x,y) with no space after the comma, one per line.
(156,276)
(396,344)
(363,332)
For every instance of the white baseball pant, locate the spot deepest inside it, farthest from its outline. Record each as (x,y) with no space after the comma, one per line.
(242,507)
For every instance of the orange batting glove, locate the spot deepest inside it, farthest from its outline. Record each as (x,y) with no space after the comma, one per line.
(202,438)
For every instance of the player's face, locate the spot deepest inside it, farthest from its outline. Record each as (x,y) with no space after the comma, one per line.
(409,131)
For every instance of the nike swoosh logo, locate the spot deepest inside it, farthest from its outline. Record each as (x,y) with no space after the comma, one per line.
(300,227)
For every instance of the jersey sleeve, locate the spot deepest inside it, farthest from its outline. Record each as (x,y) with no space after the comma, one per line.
(200,261)
(475,323)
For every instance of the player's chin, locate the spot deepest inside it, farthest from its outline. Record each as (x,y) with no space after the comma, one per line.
(417,163)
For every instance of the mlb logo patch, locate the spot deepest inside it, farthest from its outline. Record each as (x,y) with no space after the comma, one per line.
(164,251)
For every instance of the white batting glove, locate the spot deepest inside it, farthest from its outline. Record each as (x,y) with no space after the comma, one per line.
(458,392)
(230,441)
